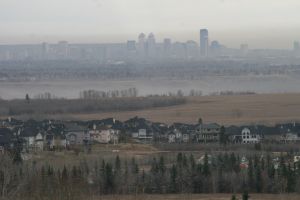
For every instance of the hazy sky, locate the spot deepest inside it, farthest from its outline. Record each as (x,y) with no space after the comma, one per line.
(260,23)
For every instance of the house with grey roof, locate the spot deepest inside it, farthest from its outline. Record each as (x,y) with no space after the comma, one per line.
(206,133)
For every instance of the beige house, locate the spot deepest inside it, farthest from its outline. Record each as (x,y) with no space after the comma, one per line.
(104,135)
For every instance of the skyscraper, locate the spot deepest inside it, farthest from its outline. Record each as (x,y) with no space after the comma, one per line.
(215,48)
(192,50)
(141,47)
(151,45)
(45,50)
(244,49)
(204,42)
(296,46)
(131,46)
(63,49)
(167,46)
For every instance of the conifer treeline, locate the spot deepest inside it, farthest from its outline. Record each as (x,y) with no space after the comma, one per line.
(219,174)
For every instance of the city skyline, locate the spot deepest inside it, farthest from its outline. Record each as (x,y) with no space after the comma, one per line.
(274,24)
(255,42)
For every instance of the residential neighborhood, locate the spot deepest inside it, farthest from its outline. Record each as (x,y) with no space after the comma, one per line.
(49,135)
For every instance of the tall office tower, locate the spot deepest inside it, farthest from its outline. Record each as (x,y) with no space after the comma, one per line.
(204,42)
(244,49)
(151,45)
(179,50)
(131,46)
(167,47)
(45,50)
(141,46)
(131,49)
(63,49)
(215,48)
(191,49)
(296,46)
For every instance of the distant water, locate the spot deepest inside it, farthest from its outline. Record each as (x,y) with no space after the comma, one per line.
(210,84)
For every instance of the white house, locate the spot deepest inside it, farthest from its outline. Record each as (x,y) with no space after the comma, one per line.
(178,134)
(172,137)
(249,138)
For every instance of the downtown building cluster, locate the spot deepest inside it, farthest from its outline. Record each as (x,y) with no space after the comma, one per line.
(145,47)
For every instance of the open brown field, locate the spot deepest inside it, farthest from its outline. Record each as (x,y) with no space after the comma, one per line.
(260,108)
(202,197)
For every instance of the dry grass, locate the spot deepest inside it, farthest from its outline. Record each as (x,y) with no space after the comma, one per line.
(200,197)
(99,152)
(264,108)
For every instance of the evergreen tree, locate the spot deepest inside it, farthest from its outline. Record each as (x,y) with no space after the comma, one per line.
(118,163)
(221,182)
(258,180)
(206,170)
(134,167)
(173,179)
(283,170)
(192,162)
(161,165)
(245,195)
(27,98)
(109,179)
(179,159)
(250,174)
(291,180)
(233,197)
(64,175)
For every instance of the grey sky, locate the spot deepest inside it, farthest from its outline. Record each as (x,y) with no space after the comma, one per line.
(261,23)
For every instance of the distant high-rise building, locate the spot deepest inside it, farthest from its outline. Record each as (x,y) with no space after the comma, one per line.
(204,42)
(141,46)
(151,45)
(191,49)
(296,46)
(215,48)
(179,50)
(45,50)
(131,49)
(167,46)
(244,49)
(63,49)
(131,45)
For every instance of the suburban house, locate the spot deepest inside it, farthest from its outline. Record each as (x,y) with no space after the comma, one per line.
(183,133)
(76,135)
(104,135)
(161,132)
(6,138)
(140,129)
(244,135)
(290,138)
(248,137)
(171,137)
(111,123)
(289,133)
(33,138)
(142,135)
(55,140)
(11,123)
(208,132)
(178,136)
